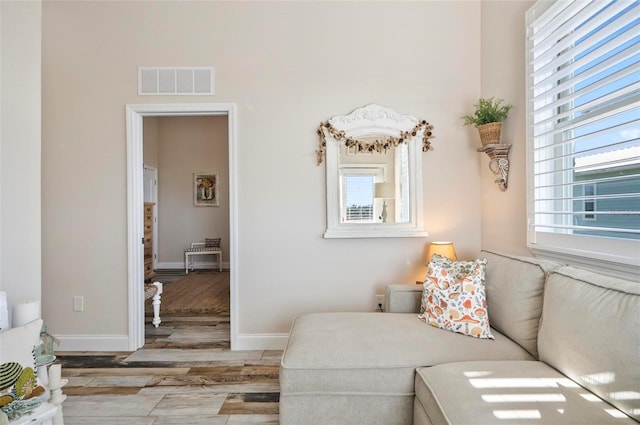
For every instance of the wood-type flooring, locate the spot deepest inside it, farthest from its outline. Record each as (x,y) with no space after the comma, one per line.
(199,292)
(185,374)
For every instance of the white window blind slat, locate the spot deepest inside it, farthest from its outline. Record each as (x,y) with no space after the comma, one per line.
(628,105)
(583,182)
(589,228)
(602,102)
(601,83)
(542,13)
(615,145)
(600,197)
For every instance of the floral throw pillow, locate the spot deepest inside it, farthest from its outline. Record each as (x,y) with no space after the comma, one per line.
(457,303)
(457,269)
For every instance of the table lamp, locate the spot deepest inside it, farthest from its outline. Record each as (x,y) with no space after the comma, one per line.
(443,248)
(384,191)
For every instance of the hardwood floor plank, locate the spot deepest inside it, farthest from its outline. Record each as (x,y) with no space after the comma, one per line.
(130,371)
(110,420)
(101,390)
(261,370)
(253,420)
(191,420)
(119,381)
(204,403)
(245,408)
(190,355)
(110,405)
(220,388)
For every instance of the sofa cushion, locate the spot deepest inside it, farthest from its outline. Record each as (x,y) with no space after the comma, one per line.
(375,352)
(503,392)
(591,332)
(457,303)
(368,360)
(515,287)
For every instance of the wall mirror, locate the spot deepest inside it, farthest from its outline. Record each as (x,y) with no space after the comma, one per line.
(374,173)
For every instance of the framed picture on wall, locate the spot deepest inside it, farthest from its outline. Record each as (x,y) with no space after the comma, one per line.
(205,189)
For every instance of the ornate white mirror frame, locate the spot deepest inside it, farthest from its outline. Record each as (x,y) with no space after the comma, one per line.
(377,129)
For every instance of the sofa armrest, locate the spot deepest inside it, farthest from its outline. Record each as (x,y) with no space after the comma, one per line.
(403,298)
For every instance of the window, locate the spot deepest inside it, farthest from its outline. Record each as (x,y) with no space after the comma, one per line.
(357,191)
(583,95)
(358,199)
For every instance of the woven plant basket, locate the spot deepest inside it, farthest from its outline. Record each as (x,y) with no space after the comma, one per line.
(490,133)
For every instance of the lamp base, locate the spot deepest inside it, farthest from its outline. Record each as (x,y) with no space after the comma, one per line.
(383,214)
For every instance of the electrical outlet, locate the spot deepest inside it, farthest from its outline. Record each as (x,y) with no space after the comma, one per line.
(379,302)
(78,303)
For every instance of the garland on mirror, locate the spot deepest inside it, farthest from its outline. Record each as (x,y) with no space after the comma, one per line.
(376,145)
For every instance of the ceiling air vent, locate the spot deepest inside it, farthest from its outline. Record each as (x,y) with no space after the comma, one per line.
(175,81)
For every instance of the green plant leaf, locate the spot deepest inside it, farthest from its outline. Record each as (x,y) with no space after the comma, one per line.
(488,110)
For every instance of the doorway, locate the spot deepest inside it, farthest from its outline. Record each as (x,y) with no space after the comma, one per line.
(135,178)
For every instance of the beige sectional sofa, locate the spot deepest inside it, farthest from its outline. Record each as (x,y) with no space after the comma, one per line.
(566,351)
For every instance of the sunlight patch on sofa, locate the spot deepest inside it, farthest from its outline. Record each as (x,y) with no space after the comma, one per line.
(600,378)
(625,395)
(590,397)
(477,373)
(520,398)
(616,413)
(517,414)
(522,383)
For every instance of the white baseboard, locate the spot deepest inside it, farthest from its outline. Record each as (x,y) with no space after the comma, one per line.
(260,342)
(93,343)
(196,265)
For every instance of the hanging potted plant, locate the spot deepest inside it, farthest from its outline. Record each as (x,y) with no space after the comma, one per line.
(488,118)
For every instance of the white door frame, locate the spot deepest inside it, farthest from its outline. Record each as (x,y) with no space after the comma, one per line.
(135,232)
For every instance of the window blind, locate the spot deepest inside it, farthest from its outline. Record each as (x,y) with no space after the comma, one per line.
(583,94)
(358,200)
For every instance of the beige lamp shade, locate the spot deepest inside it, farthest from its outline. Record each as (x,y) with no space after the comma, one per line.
(443,248)
(385,190)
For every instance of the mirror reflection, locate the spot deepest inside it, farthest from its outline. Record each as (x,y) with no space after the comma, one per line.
(374,186)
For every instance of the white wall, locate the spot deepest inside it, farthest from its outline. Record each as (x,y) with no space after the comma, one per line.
(287,66)
(20,212)
(504,217)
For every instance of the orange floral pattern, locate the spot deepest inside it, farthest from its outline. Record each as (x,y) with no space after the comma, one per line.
(456,302)
(457,269)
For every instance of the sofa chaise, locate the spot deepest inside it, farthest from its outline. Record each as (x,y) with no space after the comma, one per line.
(566,351)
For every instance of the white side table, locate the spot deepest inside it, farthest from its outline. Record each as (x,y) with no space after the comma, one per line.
(42,415)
